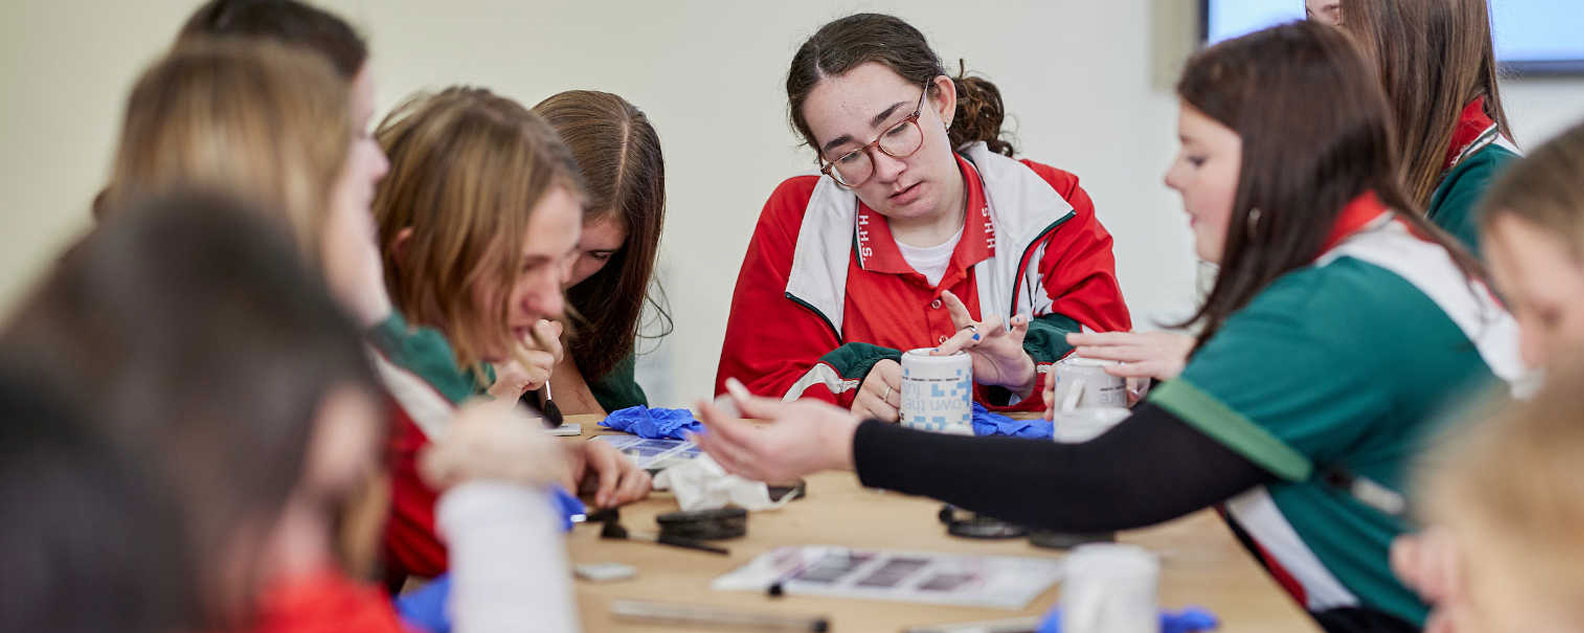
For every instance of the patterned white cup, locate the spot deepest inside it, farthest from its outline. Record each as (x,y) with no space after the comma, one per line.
(937,392)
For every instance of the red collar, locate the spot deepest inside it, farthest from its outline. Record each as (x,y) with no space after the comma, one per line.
(1472,124)
(1358,213)
(877,249)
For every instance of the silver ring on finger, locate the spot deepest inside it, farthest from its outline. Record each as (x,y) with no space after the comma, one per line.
(886,395)
(970,327)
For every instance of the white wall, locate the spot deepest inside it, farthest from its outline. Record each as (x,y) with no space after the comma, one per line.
(1083,81)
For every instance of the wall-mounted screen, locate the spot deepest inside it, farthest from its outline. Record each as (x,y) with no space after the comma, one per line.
(1532,36)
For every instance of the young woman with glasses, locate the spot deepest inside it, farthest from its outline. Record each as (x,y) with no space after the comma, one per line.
(921,231)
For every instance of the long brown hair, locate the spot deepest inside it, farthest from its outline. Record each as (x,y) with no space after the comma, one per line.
(283,21)
(618,153)
(846,43)
(467,168)
(255,119)
(1316,135)
(1433,57)
(210,346)
(1545,188)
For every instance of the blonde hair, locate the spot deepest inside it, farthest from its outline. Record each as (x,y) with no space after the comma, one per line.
(253,119)
(467,169)
(1513,482)
(1545,188)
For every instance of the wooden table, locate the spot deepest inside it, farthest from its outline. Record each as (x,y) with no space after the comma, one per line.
(1201,563)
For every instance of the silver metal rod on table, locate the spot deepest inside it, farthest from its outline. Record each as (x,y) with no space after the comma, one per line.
(692,615)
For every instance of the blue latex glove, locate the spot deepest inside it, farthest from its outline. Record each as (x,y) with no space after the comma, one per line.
(653,424)
(1187,620)
(425,608)
(567,506)
(987,423)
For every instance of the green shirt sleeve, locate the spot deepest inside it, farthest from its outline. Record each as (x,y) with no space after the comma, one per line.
(1285,382)
(1047,337)
(852,361)
(425,352)
(619,388)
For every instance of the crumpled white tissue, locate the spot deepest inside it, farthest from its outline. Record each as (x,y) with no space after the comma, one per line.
(701,484)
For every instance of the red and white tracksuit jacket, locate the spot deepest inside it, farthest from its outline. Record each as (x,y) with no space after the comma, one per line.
(824,293)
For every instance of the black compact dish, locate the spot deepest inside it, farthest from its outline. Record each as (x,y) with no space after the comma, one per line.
(705,525)
(969,525)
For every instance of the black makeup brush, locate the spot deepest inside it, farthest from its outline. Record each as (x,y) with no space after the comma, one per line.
(539,400)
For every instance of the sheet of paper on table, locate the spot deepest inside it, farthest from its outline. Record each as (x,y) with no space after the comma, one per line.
(1007,582)
(651,454)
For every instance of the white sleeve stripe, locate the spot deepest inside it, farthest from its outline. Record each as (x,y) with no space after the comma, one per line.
(1264,522)
(820,374)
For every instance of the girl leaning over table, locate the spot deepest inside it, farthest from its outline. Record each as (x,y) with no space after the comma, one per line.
(1339,326)
(478,223)
(920,222)
(611,281)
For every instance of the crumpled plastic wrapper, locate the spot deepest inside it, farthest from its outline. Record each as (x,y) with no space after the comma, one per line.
(701,484)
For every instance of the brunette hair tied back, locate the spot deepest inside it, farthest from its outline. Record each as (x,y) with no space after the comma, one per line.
(980,113)
(846,43)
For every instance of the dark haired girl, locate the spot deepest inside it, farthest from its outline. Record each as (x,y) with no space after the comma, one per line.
(921,228)
(1340,324)
(618,152)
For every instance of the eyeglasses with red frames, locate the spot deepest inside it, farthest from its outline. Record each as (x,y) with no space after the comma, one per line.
(899,141)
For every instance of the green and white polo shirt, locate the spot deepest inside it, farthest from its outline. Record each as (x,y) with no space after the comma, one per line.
(1345,364)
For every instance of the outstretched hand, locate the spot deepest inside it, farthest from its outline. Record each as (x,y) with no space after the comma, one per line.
(1158,355)
(997,351)
(801,437)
